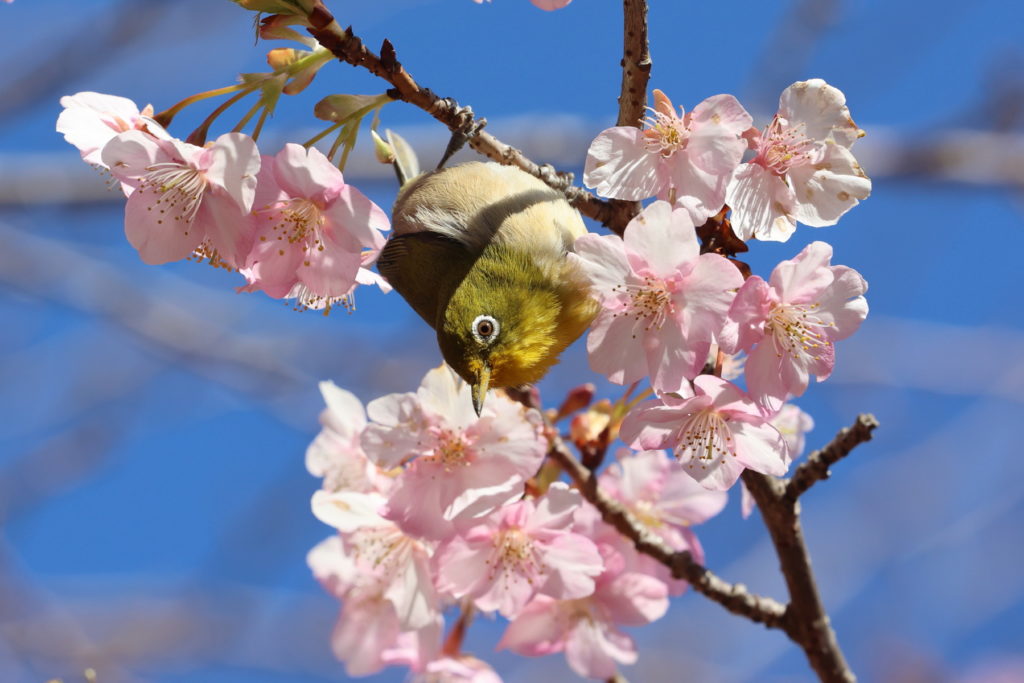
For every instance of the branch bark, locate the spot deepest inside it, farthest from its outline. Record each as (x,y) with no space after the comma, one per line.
(348,48)
(636,70)
(805,621)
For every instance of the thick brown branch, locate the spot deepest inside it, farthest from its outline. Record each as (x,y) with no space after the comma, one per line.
(733,596)
(818,463)
(347,47)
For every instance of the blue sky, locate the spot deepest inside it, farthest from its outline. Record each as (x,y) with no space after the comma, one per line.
(155,501)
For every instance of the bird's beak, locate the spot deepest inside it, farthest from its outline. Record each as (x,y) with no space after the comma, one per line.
(479,388)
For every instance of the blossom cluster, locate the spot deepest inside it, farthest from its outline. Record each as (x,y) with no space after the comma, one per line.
(289,222)
(801,168)
(435,507)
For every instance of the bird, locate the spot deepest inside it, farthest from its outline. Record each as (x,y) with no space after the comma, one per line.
(479,251)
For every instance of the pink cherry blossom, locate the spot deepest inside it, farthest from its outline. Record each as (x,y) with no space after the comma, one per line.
(524,549)
(312,231)
(91,119)
(460,468)
(793,424)
(549,5)
(587,629)
(686,159)
(663,302)
(622,553)
(716,434)
(660,495)
(336,454)
(802,170)
(375,558)
(187,199)
(369,632)
(461,669)
(793,321)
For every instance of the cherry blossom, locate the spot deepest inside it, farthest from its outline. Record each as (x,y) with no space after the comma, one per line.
(313,232)
(686,159)
(587,629)
(789,325)
(187,199)
(460,468)
(793,424)
(715,434)
(524,549)
(461,669)
(659,495)
(802,169)
(91,119)
(336,454)
(662,302)
(549,5)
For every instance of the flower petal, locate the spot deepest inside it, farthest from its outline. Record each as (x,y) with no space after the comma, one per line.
(619,165)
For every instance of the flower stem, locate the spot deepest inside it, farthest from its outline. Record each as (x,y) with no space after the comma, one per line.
(165,117)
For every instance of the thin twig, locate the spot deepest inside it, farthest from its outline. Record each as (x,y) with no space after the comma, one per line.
(733,596)
(348,47)
(817,465)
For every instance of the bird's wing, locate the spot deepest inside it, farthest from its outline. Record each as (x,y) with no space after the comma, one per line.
(425,268)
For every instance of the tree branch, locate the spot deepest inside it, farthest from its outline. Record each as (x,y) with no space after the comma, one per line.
(636,70)
(817,465)
(733,596)
(348,48)
(805,620)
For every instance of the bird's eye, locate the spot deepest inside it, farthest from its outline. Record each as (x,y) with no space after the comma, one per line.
(485,329)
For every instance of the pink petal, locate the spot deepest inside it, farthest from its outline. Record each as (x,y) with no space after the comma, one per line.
(672,358)
(760,447)
(307,173)
(573,561)
(157,236)
(230,231)
(804,277)
(556,508)
(662,238)
(129,154)
(619,166)
(716,124)
(613,349)
(593,648)
(551,5)
(360,219)
(747,316)
(707,293)
(538,630)
(761,204)
(843,304)
(634,599)
(330,272)
(603,258)
(89,120)
(701,193)
(231,164)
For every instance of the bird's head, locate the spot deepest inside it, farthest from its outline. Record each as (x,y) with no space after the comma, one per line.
(510,318)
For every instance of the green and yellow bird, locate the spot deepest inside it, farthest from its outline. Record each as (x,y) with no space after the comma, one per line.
(479,251)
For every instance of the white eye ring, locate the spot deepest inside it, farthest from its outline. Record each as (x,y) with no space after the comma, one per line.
(490,329)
